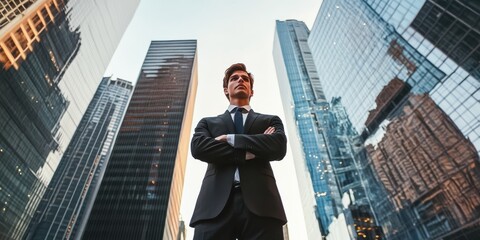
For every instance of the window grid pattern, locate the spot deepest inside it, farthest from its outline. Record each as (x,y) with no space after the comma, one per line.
(9,10)
(420,184)
(134,196)
(44,97)
(63,205)
(310,115)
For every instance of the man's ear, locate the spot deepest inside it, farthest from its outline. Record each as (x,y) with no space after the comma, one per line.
(251,94)
(225,91)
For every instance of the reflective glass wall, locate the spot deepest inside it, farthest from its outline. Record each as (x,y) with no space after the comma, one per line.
(67,202)
(305,107)
(52,55)
(407,74)
(139,197)
(323,144)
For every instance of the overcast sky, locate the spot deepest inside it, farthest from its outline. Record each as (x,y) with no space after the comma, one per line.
(227,32)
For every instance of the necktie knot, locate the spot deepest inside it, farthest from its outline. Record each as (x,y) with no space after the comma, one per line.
(239,109)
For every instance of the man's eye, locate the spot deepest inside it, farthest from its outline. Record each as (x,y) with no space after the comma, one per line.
(235,78)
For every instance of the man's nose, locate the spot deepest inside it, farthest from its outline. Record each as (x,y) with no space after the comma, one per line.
(241,79)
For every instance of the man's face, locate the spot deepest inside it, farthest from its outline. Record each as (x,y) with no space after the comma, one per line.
(239,85)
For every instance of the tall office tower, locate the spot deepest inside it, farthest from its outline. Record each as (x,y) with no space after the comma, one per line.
(65,203)
(325,140)
(139,197)
(408,76)
(304,104)
(52,55)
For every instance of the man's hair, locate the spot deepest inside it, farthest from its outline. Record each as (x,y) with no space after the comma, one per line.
(232,69)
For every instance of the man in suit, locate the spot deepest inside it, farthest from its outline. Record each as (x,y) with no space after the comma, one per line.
(239,198)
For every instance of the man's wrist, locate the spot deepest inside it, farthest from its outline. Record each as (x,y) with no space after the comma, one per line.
(231,139)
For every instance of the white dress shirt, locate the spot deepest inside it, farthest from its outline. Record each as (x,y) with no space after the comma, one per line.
(231,137)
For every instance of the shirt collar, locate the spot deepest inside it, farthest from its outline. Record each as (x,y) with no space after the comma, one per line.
(231,107)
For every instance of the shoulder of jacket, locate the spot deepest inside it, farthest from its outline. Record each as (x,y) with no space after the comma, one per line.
(210,118)
(266,115)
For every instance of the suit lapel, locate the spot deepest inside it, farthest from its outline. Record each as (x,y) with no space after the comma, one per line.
(250,119)
(227,119)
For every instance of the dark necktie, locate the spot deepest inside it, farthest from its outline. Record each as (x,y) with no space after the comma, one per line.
(238,120)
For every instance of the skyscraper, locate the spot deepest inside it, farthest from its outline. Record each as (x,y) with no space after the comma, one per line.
(304,104)
(65,203)
(52,55)
(324,141)
(139,197)
(407,74)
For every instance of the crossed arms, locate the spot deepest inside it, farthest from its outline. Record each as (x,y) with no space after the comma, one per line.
(268,146)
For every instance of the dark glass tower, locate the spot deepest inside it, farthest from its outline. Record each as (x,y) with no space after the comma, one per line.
(52,55)
(139,197)
(407,74)
(72,189)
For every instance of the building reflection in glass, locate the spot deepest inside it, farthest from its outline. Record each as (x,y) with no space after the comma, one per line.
(455,31)
(428,169)
(407,74)
(326,136)
(74,183)
(49,70)
(342,141)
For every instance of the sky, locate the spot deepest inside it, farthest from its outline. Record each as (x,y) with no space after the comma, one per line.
(227,32)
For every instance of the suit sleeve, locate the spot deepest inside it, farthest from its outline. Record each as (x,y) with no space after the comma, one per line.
(205,148)
(266,146)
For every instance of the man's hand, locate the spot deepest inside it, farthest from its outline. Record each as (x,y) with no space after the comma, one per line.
(221,138)
(269,130)
(250,155)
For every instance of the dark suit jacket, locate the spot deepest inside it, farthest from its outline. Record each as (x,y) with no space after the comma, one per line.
(257,181)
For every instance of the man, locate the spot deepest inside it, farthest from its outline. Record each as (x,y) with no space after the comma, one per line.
(239,197)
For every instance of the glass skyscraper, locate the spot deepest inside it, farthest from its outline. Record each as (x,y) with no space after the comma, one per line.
(305,109)
(324,153)
(52,55)
(139,197)
(407,73)
(65,205)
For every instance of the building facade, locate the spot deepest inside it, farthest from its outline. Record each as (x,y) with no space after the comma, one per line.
(52,55)
(407,74)
(139,197)
(65,203)
(305,110)
(356,220)
(324,152)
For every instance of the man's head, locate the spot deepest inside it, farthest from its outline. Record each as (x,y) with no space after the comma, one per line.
(238,82)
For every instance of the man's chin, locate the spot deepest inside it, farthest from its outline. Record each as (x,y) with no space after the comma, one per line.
(240,96)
